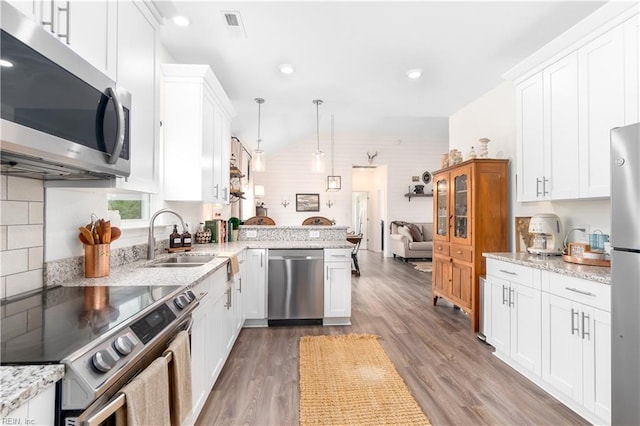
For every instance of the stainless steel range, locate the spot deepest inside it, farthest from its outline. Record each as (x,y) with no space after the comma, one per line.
(104,336)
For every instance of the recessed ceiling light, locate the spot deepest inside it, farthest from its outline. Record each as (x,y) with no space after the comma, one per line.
(414,73)
(287,69)
(5,63)
(181,21)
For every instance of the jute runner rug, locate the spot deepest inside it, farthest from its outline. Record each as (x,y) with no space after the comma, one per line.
(350,380)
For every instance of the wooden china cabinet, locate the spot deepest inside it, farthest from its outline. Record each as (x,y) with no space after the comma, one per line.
(470,217)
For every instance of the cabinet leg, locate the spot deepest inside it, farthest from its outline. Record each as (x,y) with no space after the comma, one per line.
(435,300)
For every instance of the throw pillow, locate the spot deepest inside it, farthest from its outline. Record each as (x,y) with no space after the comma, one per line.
(403,230)
(416,232)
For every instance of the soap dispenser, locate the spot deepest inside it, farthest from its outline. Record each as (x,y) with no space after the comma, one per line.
(186,236)
(175,239)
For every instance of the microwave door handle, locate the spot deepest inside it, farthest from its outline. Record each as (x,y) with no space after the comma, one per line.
(115,154)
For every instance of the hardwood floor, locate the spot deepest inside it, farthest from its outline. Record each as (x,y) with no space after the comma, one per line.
(452,375)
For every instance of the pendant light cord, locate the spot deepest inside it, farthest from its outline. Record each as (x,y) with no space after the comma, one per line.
(332,171)
(259,101)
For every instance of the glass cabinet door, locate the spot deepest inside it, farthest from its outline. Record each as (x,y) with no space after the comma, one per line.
(460,206)
(442,208)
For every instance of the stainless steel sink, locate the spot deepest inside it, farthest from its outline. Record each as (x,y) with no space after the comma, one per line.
(183,261)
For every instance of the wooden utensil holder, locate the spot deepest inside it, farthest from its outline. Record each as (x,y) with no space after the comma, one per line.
(96,260)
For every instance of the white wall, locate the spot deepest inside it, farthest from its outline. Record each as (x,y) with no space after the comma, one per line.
(289,172)
(493,116)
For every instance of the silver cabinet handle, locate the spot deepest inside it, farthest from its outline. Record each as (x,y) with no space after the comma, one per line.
(328,272)
(228,304)
(573,327)
(224,192)
(538,193)
(508,272)
(261,260)
(511,299)
(575,290)
(67,10)
(240,286)
(50,23)
(217,189)
(544,186)
(504,298)
(586,333)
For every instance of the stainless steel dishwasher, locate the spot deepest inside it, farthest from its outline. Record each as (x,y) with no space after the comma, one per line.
(295,286)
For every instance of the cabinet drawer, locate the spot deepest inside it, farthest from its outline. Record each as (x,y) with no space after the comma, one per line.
(337,255)
(441,249)
(462,253)
(587,292)
(511,272)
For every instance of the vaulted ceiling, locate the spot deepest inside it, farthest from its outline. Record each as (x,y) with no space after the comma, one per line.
(355,55)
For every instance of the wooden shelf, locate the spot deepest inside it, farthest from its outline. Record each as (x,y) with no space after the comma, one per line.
(410,195)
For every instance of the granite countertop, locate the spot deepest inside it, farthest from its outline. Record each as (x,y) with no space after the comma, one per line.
(20,384)
(556,264)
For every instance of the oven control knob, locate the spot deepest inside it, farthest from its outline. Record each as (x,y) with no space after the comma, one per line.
(181,301)
(103,361)
(124,345)
(191,295)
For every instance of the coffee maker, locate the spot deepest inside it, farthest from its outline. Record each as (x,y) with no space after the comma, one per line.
(546,231)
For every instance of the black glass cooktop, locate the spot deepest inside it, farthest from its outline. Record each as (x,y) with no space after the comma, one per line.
(46,327)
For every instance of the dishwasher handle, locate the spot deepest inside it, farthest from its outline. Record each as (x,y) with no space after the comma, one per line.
(296,258)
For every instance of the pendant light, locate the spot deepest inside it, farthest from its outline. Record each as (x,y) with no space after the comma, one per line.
(258,160)
(318,164)
(334,183)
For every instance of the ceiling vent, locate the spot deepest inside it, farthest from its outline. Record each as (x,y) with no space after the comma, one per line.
(233,21)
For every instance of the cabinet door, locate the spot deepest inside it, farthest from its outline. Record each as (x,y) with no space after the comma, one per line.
(562,345)
(337,289)
(89,28)
(525,327)
(217,333)
(602,100)
(498,296)
(561,129)
(199,381)
(530,137)
(256,284)
(632,70)
(441,206)
(596,342)
(221,152)
(229,320)
(461,289)
(460,205)
(238,303)
(137,73)
(441,275)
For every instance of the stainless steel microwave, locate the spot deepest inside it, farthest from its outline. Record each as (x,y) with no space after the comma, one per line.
(62,118)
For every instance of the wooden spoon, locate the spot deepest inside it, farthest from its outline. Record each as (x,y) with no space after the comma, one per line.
(105,232)
(115,233)
(86,236)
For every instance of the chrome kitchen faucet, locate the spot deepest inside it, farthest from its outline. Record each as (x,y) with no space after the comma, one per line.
(151,253)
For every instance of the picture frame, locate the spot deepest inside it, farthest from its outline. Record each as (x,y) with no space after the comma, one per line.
(307,202)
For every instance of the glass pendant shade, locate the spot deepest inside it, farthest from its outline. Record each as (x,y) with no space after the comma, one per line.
(257,156)
(258,161)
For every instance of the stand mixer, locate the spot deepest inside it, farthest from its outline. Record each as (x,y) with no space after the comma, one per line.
(546,229)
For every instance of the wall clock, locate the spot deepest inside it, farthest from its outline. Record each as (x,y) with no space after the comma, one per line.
(426,177)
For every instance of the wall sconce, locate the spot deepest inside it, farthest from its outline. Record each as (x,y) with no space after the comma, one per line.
(285,203)
(329,203)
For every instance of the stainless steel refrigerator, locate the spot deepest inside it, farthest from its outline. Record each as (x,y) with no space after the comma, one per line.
(625,275)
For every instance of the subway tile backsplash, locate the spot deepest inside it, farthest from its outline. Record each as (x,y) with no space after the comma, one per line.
(21,235)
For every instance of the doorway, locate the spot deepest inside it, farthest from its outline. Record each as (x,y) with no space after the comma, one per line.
(360,215)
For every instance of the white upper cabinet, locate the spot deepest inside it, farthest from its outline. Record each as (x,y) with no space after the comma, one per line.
(197,141)
(137,47)
(566,109)
(602,107)
(88,27)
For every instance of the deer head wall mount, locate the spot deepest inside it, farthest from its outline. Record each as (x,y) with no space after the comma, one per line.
(371,157)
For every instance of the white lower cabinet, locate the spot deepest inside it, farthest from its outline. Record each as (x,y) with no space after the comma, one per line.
(337,286)
(38,411)
(554,329)
(255,284)
(514,321)
(239,313)
(576,345)
(213,334)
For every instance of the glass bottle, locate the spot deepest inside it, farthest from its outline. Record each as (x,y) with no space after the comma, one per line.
(175,239)
(186,236)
